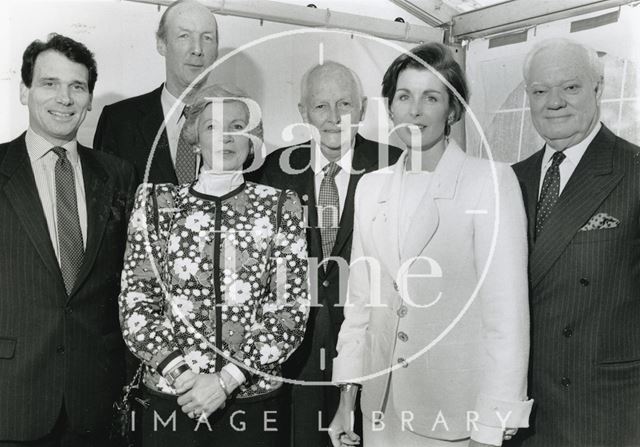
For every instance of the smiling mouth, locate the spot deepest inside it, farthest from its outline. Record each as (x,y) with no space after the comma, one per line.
(61,114)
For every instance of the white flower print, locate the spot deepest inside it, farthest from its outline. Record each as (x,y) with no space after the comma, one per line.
(262,228)
(269,307)
(174,243)
(136,322)
(239,292)
(184,268)
(197,220)
(299,248)
(138,220)
(264,191)
(134,297)
(182,305)
(197,361)
(268,354)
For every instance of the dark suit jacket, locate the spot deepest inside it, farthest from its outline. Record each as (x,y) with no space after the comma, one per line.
(325,320)
(55,347)
(128,130)
(585,302)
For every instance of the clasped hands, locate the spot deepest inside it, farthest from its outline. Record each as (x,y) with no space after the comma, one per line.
(202,394)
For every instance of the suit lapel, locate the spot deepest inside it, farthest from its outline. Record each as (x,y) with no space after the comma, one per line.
(530,179)
(22,193)
(99,193)
(161,165)
(589,185)
(426,219)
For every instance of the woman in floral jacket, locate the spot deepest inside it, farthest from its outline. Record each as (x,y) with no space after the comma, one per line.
(214,289)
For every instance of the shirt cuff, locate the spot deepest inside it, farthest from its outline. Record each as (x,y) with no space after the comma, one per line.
(169,362)
(235,372)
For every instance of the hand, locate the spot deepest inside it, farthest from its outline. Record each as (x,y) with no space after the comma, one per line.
(205,396)
(509,433)
(341,428)
(185,382)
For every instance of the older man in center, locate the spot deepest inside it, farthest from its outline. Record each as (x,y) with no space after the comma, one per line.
(324,172)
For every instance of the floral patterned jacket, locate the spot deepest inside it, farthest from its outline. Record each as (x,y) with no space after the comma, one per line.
(205,276)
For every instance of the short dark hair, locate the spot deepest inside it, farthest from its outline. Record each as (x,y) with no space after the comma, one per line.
(71,49)
(440,58)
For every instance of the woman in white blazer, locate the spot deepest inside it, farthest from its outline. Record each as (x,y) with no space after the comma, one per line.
(436,326)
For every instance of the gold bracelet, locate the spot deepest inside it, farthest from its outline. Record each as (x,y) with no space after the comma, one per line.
(223,385)
(346,387)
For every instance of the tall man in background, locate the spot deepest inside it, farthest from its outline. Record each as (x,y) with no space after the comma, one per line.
(63,220)
(324,172)
(187,38)
(582,193)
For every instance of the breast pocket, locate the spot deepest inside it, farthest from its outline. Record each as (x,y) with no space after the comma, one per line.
(593,236)
(7,348)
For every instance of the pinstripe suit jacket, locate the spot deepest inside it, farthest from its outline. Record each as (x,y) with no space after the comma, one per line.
(56,347)
(585,302)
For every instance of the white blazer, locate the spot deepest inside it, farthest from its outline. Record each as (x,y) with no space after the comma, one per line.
(453,315)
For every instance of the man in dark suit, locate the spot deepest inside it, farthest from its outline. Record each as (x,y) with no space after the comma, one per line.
(324,172)
(582,193)
(63,219)
(187,38)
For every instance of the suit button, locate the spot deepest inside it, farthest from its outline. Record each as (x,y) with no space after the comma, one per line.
(565,382)
(403,362)
(584,282)
(395,286)
(402,336)
(68,310)
(60,349)
(567,332)
(402,311)
(325,283)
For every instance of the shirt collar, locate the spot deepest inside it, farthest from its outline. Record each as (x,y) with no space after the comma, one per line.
(38,147)
(321,161)
(573,153)
(168,101)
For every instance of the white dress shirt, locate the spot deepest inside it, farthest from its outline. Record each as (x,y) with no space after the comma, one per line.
(173,123)
(43,162)
(341,178)
(569,164)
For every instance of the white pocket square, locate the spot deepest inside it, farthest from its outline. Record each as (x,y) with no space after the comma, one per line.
(601,221)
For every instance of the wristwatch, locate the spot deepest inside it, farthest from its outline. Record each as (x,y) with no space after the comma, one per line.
(176,372)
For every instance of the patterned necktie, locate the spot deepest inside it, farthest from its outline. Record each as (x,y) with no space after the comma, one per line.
(69,232)
(550,191)
(329,208)
(185,157)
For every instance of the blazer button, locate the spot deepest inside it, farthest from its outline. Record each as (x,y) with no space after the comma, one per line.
(403,362)
(565,382)
(567,332)
(325,283)
(584,282)
(60,349)
(68,310)
(402,311)
(395,286)
(402,336)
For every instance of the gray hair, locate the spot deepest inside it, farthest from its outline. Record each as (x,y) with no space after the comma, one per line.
(161,33)
(304,83)
(595,65)
(202,99)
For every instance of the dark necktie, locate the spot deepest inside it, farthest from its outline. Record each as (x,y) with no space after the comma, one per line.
(69,232)
(550,191)
(329,208)
(185,157)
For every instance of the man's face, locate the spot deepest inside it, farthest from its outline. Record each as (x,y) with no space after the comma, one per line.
(563,95)
(58,98)
(190,45)
(330,104)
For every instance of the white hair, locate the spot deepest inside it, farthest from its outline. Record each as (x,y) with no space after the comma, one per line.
(304,83)
(594,63)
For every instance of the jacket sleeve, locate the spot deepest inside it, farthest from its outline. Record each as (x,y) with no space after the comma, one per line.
(500,245)
(104,137)
(348,364)
(281,320)
(146,329)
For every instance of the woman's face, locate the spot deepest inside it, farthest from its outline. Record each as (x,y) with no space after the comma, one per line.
(221,151)
(422,101)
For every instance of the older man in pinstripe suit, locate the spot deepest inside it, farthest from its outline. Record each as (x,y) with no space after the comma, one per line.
(582,193)
(63,218)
